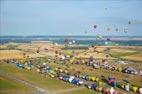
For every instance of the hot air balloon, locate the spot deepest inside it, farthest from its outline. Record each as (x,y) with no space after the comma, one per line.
(108,29)
(129,22)
(73,41)
(95,26)
(66,41)
(24,55)
(116,29)
(108,39)
(106,8)
(125,30)
(85,32)
(38,50)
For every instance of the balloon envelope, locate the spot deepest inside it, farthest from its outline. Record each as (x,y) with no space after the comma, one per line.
(108,29)
(95,26)
(129,22)
(116,29)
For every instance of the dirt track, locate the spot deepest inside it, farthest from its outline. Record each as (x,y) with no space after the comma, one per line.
(38,90)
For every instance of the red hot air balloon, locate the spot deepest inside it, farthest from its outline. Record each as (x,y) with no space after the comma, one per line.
(95,26)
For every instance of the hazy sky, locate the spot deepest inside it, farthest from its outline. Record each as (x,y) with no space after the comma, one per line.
(71,17)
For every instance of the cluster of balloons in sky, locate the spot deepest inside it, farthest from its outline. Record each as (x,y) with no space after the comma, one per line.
(110,29)
(98,36)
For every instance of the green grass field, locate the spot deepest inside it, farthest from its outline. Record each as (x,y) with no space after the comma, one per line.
(8,85)
(51,84)
(35,78)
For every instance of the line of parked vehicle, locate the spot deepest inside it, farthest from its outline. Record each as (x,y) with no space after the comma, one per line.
(105,65)
(91,82)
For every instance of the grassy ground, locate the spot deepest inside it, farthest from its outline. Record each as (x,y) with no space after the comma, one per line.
(134,79)
(52,84)
(82,91)
(134,57)
(35,78)
(128,54)
(8,86)
(9,54)
(6,83)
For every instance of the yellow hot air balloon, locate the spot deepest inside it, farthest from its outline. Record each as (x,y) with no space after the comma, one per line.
(119,69)
(99,89)
(72,60)
(100,83)
(135,88)
(93,78)
(97,79)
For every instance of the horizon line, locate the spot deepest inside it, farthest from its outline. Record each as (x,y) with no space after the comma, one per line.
(68,35)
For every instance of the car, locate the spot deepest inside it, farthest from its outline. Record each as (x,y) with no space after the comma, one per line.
(20,65)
